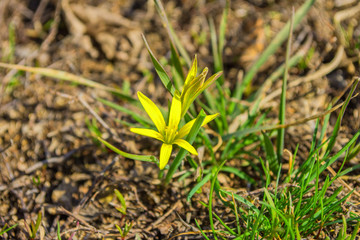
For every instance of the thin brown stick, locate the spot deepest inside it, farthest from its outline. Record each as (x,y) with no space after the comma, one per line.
(54,160)
(61,209)
(325,69)
(343,182)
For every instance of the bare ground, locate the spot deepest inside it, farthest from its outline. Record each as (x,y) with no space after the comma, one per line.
(49,163)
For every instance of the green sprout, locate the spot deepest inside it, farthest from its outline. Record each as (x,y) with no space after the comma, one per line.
(5,228)
(34,226)
(122,210)
(126,230)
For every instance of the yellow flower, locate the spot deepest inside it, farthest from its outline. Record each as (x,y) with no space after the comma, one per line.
(168,134)
(194,85)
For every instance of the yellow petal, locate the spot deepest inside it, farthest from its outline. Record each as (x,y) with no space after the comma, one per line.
(187,127)
(192,73)
(153,111)
(191,91)
(165,153)
(187,146)
(148,132)
(175,112)
(204,84)
(212,79)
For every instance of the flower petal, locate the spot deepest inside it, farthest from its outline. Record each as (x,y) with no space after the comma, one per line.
(175,112)
(165,153)
(212,79)
(187,127)
(187,146)
(148,132)
(153,111)
(191,91)
(192,73)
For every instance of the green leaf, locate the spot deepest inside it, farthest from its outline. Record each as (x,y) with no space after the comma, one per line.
(140,119)
(242,200)
(270,154)
(355,232)
(201,231)
(38,221)
(331,160)
(271,203)
(198,186)
(119,229)
(58,231)
(127,228)
(145,158)
(178,72)
(182,152)
(173,38)
(164,77)
(5,229)
(339,119)
(238,173)
(122,201)
(282,109)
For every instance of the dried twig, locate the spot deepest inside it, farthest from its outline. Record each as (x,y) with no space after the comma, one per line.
(54,160)
(61,209)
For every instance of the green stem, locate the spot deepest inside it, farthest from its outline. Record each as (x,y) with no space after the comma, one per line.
(181,154)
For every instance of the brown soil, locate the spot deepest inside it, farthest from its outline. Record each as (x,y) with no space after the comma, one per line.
(49,162)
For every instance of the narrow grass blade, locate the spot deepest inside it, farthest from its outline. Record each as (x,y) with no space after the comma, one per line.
(270,50)
(214,45)
(271,203)
(5,229)
(119,229)
(238,173)
(355,231)
(140,119)
(274,76)
(182,152)
(242,132)
(177,70)
(145,158)
(342,234)
(213,181)
(285,219)
(164,77)
(331,160)
(38,221)
(339,119)
(354,152)
(198,186)
(171,32)
(122,201)
(225,225)
(258,222)
(202,232)
(222,31)
(58,231)
(217,51)
(236,215)
(281,131)
(65,76)
(242,200)
(270,154)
